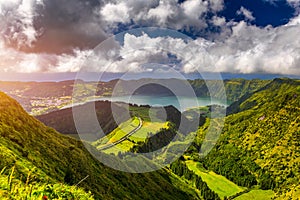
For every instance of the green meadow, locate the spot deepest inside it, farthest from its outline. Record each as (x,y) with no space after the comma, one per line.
(141,135)
(257,195)
(219,184)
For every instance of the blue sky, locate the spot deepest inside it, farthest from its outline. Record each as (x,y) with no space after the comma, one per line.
(265,12)
(274,13)
(245,37)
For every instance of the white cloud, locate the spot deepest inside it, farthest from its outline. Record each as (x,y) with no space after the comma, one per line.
(294,3)
(294,21)
(52,26)
(246,13)
(116,13)
(194,8)
(248,49)
(216,5)
(219,21)
(242,48)
(17,20)
(162,13)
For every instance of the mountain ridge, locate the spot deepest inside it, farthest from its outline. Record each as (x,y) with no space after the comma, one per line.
(40,98)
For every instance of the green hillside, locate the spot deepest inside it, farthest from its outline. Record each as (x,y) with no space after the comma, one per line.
(13,188)
(257,154)
(30,147)
(147,128)
(63,120)
(260,140)
(234,88)
(222,186)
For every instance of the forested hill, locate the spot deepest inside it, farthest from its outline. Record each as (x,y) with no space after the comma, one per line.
(234,88)
(44,97)
(260,140)
(63,120)
(53,158)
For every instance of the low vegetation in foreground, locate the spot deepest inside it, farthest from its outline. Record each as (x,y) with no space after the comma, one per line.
(13,188)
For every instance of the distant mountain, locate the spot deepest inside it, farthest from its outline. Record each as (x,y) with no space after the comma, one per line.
(259,144)
(43,97)
(234,88)
(29,145)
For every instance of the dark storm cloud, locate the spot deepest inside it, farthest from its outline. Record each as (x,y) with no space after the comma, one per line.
(67,25)
(64,25)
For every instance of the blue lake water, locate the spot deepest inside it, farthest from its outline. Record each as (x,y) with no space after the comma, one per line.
(181,103)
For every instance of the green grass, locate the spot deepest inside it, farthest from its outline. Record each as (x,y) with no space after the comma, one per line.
(124,128)
(118,133)
(190,113)
(26,144)
(148,127)
(260,140)
(217,183)
(139,136)
(12,188)
(121,147)
(142,112)
(184,185)
(257,195)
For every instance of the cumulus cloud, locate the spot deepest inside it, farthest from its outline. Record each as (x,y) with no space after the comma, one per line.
(17,21)
(246,13)
(249,49)
(162,13)
(60,26)
(63,43)
(294,3)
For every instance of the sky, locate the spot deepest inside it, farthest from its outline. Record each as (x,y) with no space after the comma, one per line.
(55,39)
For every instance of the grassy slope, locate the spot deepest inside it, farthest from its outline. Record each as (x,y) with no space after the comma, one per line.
(26,143)
(219,184)
(264,131)
(103,111)
(257,195)
(12,188)
(235,88)
(123,129)
(148,128)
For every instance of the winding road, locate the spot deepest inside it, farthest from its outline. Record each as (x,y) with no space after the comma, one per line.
(123,138)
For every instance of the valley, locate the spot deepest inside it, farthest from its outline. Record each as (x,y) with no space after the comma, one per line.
(255,157)
(149,100)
